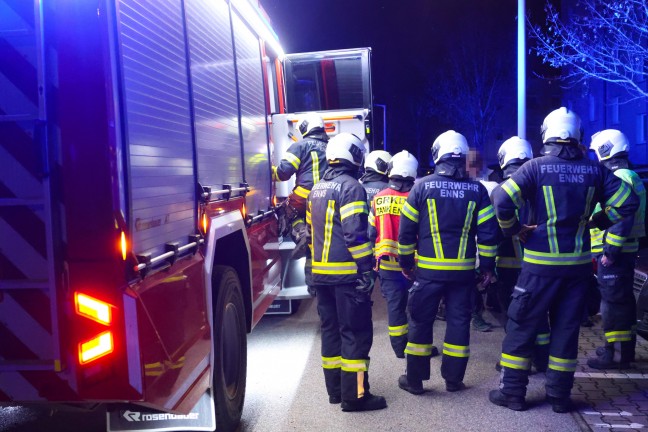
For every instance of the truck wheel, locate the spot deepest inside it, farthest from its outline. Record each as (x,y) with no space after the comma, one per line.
(230,349)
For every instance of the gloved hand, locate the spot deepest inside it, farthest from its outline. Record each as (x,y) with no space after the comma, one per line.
(409,273)
(364,283)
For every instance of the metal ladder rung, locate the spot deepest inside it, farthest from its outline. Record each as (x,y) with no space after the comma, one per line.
(28,202)
(24,284)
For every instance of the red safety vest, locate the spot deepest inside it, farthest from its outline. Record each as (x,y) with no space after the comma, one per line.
(385,217)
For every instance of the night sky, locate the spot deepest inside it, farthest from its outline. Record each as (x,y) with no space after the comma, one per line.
(411,41)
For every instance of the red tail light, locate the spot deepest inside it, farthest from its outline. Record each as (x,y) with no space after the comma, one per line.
(93,308)
(96,347)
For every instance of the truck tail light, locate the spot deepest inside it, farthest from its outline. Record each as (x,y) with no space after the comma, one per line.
(243,211)
(96,347)
(93,308)
(123,242)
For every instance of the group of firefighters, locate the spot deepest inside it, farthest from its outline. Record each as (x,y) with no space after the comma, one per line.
(533,237)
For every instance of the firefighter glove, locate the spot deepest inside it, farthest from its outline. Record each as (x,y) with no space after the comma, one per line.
(364,283)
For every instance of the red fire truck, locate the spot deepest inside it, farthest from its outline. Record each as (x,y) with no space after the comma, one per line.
(138,235)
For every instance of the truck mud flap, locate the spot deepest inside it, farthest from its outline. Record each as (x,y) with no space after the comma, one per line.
(123,418)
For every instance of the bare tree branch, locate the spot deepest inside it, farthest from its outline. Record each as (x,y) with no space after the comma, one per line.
(601,39)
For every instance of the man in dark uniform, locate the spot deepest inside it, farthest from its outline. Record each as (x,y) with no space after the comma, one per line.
(307,160)
(615,255)
(447,218)
(342,258)
(561,188)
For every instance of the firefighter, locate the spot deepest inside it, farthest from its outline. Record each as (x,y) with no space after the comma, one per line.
(384,219)
(514,152)
(306,159)
(342,259)
(561,188)
(375,178)
(615,256)
(447,217)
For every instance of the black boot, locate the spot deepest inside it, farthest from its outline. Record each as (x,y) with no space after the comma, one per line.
(335,399)
(606,360)
(368,402)
(560,405)
(516,403)
(455,386)
(416,388)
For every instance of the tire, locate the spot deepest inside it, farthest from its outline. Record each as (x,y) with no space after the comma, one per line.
(230,349)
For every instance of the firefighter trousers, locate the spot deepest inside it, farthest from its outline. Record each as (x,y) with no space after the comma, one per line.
(535,296)
(347,335)
(423,304)
(618,306)
(506,280)
(394,288)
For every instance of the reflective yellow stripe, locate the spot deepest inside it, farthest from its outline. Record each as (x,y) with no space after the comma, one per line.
(301,192)
(328,229)
(372,219)
(513,191)
(349,365)
(613,215)
(360,250)
(552,217)
(353,208)
(543,339)
(348,267)
(562,365)
(398,330)
(487,251)
(315,160)
(331,362)
(583,219)
(614,239)
(506,223)
(485,214)
(275,176)
(389,265)
(292,159)
(463,242)
(548,258)
(513,362)
(619,336)
(387,246)
(420,350)
(434,228)
(446,263)
(456,350)
(630,246)
(620,196)
(410,212)
(404,249)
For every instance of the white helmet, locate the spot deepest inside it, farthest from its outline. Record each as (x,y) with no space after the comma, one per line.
(378,160)
(561,125)
(308,122)
(512,150)
(345,146)
(403,164)
(608,143)
(451,144)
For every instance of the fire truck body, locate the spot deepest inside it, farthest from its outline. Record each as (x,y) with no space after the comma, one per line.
(138,238)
